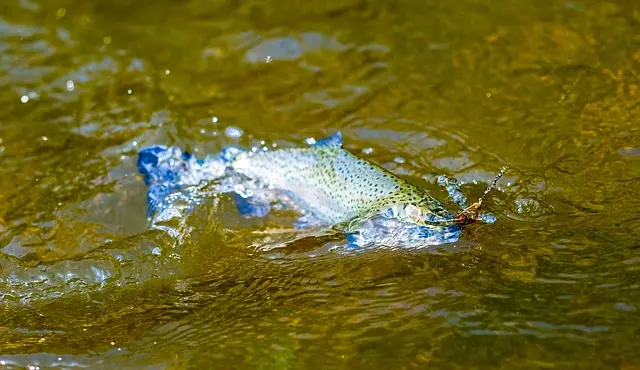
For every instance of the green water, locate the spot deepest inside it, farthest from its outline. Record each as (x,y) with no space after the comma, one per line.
(424,87)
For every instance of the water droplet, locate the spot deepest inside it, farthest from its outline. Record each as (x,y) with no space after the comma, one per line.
(214,119)
(399,160)
(71,85)
(367,150)
(24,98)
(135,143)
(233,132)
(44,138)
(310,140)
(129,91)
(59,358)
(167,72)
(61,13)
(106,40)
(487,218)
(202,131)
(528,206)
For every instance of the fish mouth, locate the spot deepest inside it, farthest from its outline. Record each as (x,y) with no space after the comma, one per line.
(465,219)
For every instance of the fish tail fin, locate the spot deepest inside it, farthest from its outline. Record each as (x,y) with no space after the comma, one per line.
(163,169)
(167,169)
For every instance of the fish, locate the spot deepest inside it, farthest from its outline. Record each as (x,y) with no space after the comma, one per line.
(328,184)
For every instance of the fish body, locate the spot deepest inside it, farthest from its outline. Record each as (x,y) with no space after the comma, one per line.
(336,186)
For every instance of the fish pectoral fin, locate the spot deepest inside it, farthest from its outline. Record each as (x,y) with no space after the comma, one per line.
(334,140)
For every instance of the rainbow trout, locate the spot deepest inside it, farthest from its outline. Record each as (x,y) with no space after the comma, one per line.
(327,184)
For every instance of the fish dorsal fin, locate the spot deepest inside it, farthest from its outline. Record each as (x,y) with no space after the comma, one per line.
(334,140)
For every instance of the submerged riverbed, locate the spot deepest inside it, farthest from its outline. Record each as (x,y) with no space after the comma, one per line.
(424,88)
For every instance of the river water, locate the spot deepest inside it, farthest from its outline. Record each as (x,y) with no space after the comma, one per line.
(423,87)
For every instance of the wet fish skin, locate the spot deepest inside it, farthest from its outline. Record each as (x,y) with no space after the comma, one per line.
(336,186)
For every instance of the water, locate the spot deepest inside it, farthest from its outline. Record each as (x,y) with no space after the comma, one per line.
(460,89)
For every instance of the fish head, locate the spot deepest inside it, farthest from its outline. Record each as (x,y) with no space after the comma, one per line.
(427,214)
(410,212)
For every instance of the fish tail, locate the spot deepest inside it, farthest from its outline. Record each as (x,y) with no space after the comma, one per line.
(167,169)
(163,169)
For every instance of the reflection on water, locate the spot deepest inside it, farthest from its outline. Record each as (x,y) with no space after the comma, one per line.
(424,88)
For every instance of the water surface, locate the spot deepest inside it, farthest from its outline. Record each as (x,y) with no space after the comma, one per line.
(425,88)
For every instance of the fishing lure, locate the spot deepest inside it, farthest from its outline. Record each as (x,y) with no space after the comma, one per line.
(326,183)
